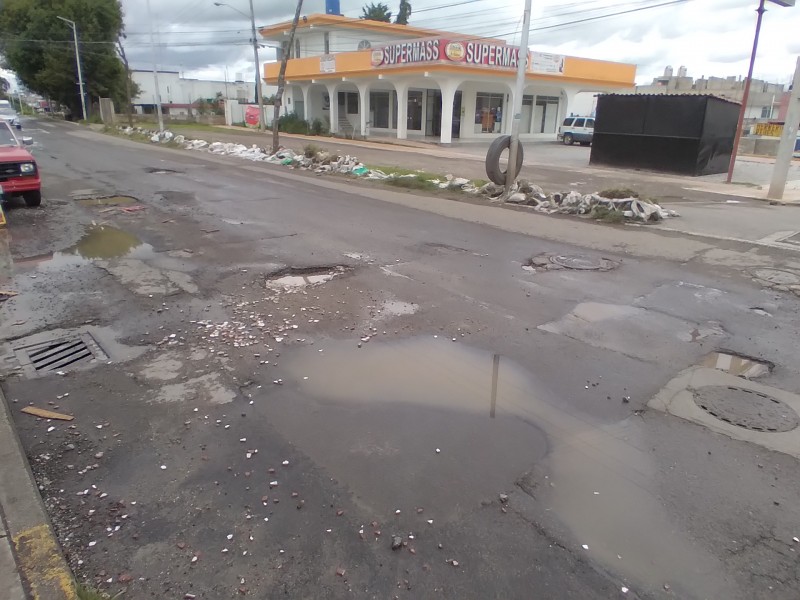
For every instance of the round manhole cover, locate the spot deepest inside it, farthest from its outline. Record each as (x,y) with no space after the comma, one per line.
(747,409)
(777,277)
(581,262)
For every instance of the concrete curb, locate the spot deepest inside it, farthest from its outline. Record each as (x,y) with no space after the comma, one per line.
(41,567)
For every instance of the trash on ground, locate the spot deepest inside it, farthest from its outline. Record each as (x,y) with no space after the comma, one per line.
(46,414)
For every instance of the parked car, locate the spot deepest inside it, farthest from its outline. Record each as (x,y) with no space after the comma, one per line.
(19,173)
(9,114)
(577,129)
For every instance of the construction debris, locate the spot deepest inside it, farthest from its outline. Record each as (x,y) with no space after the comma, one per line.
(46,414)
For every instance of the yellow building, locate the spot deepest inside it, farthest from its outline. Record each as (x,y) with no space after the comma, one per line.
(369,77)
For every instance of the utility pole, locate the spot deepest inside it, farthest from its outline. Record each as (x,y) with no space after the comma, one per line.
(786,148)
(257,62)
(282,78)
(78,61)
(516,109)
(155,71)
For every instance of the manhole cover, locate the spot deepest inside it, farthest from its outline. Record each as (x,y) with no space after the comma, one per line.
(581,262)
(777,277)
(58,354)
(747,409)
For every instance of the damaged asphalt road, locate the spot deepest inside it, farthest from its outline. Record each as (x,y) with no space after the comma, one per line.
(308,393)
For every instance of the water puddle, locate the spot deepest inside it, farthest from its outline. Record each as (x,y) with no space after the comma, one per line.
(104,242)
(738,365)
(435,424)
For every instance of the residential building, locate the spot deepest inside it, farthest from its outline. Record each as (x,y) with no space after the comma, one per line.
(763,102)
(369,77)
(179,94)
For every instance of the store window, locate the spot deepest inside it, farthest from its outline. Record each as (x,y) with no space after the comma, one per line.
(545,118)
(379,109)
(327,38)
(488,112)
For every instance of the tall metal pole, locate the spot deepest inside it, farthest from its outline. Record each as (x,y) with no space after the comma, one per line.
(789,138)
(259,94)
(155,71)
(516,109)
(745,95)
(74,27)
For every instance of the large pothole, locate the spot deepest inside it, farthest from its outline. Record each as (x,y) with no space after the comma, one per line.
(294,278)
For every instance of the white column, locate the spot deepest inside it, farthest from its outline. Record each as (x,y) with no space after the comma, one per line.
(402,110)
(304,94)
(567,99)
(334,102)
(363,106)
(448,98)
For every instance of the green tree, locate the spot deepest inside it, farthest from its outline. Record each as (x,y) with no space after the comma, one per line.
(376,11)
(4,87)
(38,47)
(403,13)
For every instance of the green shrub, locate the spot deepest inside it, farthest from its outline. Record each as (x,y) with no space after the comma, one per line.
(311,150)
(411,183)
(292,123)
(318,127)
(619,193)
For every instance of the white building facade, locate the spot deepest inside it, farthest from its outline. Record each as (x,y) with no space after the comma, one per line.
(179,93)
(365,78)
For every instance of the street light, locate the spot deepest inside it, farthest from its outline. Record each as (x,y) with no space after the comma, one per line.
(746,93)
(259,95)
(78,62)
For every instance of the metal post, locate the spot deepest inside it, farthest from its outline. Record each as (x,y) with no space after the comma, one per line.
(155,71)
(516,110)
(259,94)
(786,149)
(745,95)
(74,27)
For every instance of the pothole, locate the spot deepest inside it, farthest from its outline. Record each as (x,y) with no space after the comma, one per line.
(103,242)
(108,201)
(294,278)
(160,171)
(572,262)
(739,365)
(747,408)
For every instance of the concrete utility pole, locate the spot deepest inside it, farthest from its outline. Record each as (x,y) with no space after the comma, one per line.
(746,93)
(282,79)
(786,148)
(78,61)
(155,71)
(516,109)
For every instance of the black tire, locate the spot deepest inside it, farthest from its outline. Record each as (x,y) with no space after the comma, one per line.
(568,139)
(32,198)
(493,170)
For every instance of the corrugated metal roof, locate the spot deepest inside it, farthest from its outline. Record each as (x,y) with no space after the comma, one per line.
(723,98)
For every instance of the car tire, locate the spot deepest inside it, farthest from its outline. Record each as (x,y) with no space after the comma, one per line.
(568,139)
(32,199)
(493,171)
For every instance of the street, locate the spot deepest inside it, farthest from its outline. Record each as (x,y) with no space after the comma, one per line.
(312,389)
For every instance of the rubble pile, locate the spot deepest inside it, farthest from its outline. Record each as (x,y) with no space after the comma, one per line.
(523,193)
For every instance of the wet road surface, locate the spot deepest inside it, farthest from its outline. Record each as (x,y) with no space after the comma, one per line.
(266,430)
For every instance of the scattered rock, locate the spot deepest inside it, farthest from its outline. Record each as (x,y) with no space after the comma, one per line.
(504,498)
(397,542)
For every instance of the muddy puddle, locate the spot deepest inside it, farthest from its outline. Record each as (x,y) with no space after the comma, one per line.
(436,424)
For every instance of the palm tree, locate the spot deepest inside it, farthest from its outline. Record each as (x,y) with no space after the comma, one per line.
(376,12)
(403,13)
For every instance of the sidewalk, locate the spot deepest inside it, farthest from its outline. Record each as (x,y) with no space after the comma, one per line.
(32,566)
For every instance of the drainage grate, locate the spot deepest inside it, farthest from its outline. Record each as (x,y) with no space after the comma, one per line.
(58,354)
(747,409)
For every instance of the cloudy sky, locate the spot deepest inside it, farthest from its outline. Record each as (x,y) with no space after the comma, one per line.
(709,37)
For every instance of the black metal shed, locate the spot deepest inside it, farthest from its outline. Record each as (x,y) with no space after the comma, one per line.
(690,134)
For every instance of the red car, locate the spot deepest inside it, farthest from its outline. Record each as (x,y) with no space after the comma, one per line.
(19,174)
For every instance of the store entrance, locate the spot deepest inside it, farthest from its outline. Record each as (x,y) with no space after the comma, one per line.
(433,114)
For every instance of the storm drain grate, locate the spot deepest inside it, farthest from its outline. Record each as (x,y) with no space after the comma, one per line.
(747,409)
(58,354)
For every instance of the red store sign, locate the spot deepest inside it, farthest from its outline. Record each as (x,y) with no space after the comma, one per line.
(414,52)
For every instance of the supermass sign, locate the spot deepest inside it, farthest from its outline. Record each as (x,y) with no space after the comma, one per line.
(440,50)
